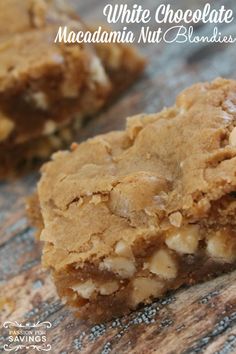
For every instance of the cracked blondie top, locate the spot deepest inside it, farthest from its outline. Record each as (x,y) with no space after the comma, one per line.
(130,214)
(46,86)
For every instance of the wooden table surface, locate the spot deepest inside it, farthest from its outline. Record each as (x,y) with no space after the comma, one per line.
(199,319)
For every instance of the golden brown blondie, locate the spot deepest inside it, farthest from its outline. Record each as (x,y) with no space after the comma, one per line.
(130,214)
(46,86)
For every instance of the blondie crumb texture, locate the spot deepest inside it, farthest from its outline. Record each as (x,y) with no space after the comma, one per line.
(131,214)
(44,85)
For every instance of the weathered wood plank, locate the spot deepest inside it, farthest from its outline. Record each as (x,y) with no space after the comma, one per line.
(201,319)
(191,320)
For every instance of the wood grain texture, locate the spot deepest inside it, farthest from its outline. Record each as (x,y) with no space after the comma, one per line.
(199,319)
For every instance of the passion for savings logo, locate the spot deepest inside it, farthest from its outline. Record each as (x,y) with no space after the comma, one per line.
(27,336)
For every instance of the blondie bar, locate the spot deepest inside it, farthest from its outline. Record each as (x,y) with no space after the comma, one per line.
(47,86)
(129,215)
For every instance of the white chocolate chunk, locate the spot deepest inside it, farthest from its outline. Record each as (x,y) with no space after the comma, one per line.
(74,297)
(162,264)
(96,199)
(6,127)
(124,267)
(97,72)
(38,10)
(184,239)
(232,138)
(64,300)
(108,288)
(176,219)
(40,99)
(123,249)
(144,288)
(222,246)
(89,287)
(49,127)
(85,289)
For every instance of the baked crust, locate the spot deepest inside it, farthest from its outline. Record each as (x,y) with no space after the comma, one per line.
(45,85)
(144,210)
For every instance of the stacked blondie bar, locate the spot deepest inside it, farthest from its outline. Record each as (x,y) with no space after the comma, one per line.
(47,88)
